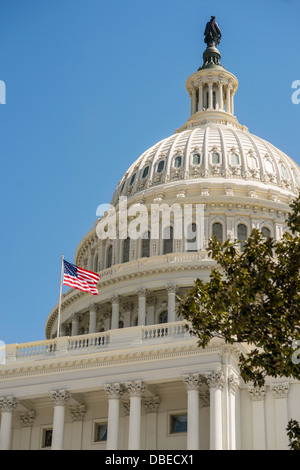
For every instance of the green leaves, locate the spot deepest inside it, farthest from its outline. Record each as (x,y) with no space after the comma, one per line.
(252,297)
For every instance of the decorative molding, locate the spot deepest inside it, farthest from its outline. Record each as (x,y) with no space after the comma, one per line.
(280,390)
(60,397)
(114,391)
(152,404)
(257,393)
(78,412)
(192,381)
(215,380)
(27,419)
(8,403)
(135,389)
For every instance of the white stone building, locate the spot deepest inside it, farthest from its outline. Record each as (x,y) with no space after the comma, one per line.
(125,373)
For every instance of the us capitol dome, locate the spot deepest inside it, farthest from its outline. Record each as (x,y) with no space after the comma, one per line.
(123,373)
(242,181)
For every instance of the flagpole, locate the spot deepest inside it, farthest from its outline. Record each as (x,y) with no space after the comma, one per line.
(60,290)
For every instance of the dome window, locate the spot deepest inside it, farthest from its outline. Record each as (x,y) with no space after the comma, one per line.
(126,248)
(252,162)
(191,244)
(109,256)
(217,231)
(196,159)
(284,172)
(269,166)
(146,245)
(177,161)
(266,232)
(132,179)
(163,317)
(160,166)
(168,240)
(296,178)
(122,187)
(145,172)
(215,158)
(234,159)
(242,234)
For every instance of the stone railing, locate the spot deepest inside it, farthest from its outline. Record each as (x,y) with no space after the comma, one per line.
(85,344)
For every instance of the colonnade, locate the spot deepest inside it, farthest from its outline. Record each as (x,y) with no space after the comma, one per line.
(224,413)
(146,303)
(224,93)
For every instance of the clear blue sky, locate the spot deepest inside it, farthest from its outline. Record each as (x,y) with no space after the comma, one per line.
(91,84)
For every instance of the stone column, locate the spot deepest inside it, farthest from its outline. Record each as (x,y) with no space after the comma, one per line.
(142,294)
(221,104)
(26,419)
(7,406)
(200,97)
(171,288)
(115,302)
(75,324)
(259,428)
(215,381)
(193,101)
(93,319)
(151,406)
(233,388)
(78,415)
(281,391)
(151,301)
(192,384)
(228,99)
(60,399)
(231,102)
(114,392)
(135,390)
(210,95)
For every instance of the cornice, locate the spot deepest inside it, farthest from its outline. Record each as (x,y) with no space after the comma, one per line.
(116,358)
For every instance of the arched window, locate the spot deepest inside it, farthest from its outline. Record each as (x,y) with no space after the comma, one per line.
(266,232)
(177,161)
(126,249)
(191,242)
(109,256)
(145,172)
(146,245)
(196,159)
(163,317)
(234,159)
(242,234)
(215,158)
(168,240)
(160,166)
(132,179)
(217,231)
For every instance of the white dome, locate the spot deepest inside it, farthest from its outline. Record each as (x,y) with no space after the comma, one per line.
(219,151)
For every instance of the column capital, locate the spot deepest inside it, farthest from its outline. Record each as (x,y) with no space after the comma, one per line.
(192,381)
(60,397)
(93,307)
(257,393)
(114,391)
(280,390)
(27,419)
(152,404)
(77,412)
(8,404)
(135,389)
(115,299)
(142,292)
(233,383)
(215,379)
(172,288)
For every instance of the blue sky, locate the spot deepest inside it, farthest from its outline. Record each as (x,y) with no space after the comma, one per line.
(92,84)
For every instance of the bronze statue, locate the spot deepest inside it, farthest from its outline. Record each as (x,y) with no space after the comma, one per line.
(212,33)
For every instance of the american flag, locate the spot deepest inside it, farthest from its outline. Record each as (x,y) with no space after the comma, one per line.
(81,279)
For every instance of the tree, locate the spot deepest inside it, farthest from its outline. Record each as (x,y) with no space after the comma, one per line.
(293,432)
(253,297)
